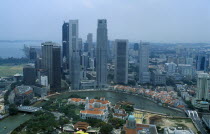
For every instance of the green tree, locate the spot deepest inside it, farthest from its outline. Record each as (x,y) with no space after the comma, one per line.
(106,129)
(62,121)
(42,122)
(13,109)
(128,108)
(116,123)
(26,102)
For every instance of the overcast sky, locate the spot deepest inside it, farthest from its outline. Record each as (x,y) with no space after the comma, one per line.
(147,20)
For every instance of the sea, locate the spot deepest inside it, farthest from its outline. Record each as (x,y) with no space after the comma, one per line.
(14,48)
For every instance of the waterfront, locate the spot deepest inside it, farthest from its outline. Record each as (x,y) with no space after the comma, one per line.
(140,102)
(10,123)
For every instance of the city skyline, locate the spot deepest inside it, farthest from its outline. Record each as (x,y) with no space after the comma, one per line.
(187,21)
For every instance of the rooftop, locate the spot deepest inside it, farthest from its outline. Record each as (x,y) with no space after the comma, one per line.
(23,90)
(92,112)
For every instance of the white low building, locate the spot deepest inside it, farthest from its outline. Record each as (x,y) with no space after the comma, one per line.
(89,114)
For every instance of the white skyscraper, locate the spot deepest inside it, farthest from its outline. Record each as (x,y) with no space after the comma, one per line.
(74,55)
(203,85)
(101,53)
(121,61)
(144,74)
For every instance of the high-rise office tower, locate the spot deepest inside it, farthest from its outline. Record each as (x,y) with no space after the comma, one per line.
(201,62)
(29,74)
(101,53)
(203,83)
(65,42)
(144,74)
(121,62)
(74,55)
(90,44)
(51,62)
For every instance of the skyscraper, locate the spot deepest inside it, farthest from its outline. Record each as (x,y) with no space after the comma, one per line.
(65,42)
(29,74)
(101,53)
(144,74)
(51,62)
(90,44)
(201,62)
(203,83)
(74,55)
(121,61)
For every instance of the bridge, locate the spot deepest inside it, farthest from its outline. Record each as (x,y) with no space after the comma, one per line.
(192,114)
(196,120)
(28,109)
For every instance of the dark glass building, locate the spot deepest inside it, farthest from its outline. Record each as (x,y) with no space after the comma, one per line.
(201,62)
(29,75)
(65,42)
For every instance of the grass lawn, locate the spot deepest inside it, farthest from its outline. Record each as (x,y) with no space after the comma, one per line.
(10,70)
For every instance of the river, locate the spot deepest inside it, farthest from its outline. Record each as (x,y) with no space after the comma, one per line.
(12,122)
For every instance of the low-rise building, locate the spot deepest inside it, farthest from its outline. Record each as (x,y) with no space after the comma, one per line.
(204,105)
(94,108)
(23,93)
(131,127)
(89,114)
(119,113)
(173,130)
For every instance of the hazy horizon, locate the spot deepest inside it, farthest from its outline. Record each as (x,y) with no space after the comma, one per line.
(164,21)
